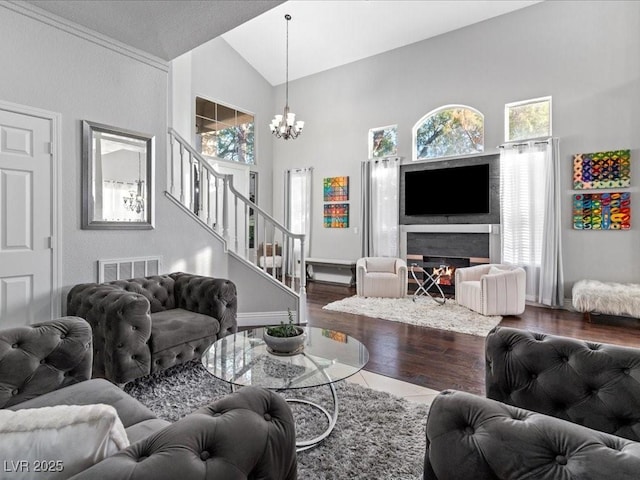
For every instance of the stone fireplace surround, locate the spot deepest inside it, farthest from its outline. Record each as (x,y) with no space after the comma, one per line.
(451,240)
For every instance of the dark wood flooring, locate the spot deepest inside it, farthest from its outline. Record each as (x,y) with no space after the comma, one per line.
(440,359)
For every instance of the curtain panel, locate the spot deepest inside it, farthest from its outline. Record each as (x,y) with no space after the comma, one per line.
(380,217)
(530,217)
(297,200)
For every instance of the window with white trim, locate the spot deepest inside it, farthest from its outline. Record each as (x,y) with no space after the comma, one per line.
(527,119)
(224,132)
(448,131)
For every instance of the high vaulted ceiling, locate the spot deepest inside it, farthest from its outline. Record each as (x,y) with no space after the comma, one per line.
(323,34)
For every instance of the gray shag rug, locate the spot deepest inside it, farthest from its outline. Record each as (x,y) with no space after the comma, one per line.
(377,435)
(422,311)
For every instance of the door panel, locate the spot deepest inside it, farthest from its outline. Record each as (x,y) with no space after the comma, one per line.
(25,219)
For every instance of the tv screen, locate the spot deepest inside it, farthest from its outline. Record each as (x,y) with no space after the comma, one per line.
(447,191)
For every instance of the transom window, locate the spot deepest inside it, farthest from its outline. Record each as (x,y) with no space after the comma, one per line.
(527,119)
(448,131)
(225,132)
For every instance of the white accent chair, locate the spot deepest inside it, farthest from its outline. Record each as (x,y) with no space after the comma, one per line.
(268,257)
(491,289)
(381,277)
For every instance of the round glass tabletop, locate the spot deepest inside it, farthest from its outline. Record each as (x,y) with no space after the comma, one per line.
(243,359)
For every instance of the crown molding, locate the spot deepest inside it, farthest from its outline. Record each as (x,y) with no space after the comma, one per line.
(87,34)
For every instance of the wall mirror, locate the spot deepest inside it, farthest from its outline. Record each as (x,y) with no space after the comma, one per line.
(117,174)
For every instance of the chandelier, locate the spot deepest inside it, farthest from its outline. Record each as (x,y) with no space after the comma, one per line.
(135,200)
(285,125)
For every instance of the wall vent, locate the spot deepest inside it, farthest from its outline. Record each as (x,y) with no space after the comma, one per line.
(124,268)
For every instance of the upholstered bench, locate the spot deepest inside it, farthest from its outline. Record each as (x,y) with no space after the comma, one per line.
(593,296)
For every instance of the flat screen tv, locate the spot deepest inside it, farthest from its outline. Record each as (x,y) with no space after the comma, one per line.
(447,191)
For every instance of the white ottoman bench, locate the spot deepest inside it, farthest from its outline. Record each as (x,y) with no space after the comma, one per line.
(606,297)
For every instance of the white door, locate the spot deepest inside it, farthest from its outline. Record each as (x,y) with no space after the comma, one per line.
(26,259)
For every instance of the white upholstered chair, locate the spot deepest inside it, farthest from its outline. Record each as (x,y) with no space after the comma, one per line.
(491,289)
(381,277)
(268,257)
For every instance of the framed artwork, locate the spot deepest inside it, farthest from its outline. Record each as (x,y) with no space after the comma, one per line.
(336,215)
(602,211)
(336,189)
(383,141)
(602,170)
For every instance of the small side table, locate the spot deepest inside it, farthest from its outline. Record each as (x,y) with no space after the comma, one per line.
(429,280)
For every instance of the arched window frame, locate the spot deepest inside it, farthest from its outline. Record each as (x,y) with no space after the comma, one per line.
(420,122)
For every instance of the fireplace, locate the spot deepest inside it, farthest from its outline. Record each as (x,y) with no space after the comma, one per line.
(450,247)
(441,268)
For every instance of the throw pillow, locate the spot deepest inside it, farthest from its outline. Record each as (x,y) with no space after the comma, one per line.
(58,442)
(493,270)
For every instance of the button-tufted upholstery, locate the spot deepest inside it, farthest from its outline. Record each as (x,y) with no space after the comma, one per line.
(192,312)
(593,384)
(588,398)
(42,357)
(470,437)
(246,435)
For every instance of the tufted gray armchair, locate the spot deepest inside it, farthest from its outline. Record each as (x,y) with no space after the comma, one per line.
(246,435)
(145,325)
(557,408)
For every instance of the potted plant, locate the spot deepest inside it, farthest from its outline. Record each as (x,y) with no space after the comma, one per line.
(284,338)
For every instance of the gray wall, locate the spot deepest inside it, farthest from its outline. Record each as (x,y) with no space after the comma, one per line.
(585,54)
(216,72)
(50,69)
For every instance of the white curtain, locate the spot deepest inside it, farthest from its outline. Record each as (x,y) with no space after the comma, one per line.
(298,207)
(530,217)
(380,207)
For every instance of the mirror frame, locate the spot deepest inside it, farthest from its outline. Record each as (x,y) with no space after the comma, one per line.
(88,206)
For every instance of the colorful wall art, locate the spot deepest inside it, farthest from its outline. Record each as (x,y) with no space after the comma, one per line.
(602,170)
(336,189)
(336,215)
(602,211)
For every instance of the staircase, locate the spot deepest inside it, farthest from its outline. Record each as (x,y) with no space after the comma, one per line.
(249,233)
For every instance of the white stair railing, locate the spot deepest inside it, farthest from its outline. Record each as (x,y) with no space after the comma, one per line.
(264,242)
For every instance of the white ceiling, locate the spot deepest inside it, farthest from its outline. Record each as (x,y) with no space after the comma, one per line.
(323,34)
(326,34)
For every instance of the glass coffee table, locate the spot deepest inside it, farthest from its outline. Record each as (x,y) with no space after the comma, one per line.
(328,356)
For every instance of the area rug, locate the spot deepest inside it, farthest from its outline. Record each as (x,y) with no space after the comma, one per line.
(377,435)
(423,312)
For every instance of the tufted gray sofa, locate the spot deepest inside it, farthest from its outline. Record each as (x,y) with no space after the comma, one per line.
(145,325)
(558,408)
(246,435)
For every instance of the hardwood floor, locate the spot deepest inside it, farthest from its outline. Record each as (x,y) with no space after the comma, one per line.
(440,359)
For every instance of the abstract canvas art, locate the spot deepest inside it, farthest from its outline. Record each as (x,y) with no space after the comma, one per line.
(336,189)
(336,215)
(602,170)
(602,211)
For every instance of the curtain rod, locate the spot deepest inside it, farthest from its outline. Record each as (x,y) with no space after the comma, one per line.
(513,144)
(383,159)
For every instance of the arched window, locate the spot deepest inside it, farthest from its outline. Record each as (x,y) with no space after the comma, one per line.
(448,131)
